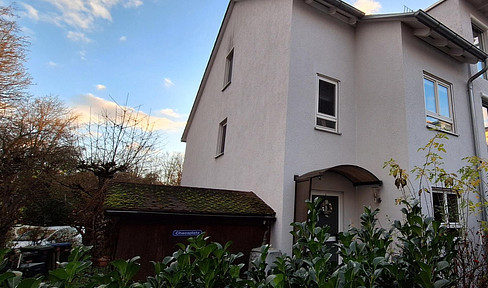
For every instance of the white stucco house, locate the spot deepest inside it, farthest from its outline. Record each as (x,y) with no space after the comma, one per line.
(310,97)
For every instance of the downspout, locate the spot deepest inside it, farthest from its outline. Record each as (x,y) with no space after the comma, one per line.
(474,124)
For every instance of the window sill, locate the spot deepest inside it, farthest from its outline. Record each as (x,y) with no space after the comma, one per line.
(226,85)
(435,128)
(327,130)
(218,155)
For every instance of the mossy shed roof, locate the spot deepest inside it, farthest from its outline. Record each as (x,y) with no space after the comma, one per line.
(132,197)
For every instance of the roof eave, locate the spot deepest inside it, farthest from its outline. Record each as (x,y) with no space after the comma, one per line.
(432,31)
(212,215)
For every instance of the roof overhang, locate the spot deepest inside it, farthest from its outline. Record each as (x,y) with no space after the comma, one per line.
(436,34)
(338,9)
(115,212)
(357,175)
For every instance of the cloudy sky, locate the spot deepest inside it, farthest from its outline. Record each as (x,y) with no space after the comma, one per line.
(92,53)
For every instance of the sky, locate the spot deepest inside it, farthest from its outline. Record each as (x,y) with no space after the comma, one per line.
(146,54)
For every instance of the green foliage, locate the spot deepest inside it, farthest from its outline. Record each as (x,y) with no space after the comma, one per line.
(121,277)
(199,264)
(69,273)
(364,253)
(310,264)
(427,251)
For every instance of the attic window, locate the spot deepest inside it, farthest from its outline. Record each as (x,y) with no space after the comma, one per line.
(221,139)
(229,65)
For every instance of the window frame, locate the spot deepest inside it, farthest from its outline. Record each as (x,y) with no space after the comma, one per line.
(323,116)
(446,209)
(436,115)
(482,45)
(221,139)
(229,67)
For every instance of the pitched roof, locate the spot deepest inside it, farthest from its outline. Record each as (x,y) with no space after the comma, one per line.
(160,199)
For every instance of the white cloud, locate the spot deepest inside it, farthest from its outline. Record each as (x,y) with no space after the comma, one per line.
(100,87)
(31,11)
(79,14)
(368,6)
(78,37)
(133,3)
(170,113)
(52,64)
(168,83)
(82,54)
(122,38)
(89,107)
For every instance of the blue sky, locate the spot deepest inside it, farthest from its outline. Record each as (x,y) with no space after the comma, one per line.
(90,53)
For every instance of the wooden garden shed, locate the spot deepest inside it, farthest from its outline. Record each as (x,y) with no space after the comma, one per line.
(152,219)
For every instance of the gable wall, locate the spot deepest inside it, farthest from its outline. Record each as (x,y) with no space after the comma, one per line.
(254,105)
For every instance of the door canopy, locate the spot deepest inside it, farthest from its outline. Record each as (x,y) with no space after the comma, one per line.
(357,175)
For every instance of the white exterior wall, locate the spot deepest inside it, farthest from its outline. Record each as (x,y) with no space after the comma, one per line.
(381,117)
(279,47)
(254,105)
(319,44)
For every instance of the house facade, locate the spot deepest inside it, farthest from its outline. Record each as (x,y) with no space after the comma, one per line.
(305,98)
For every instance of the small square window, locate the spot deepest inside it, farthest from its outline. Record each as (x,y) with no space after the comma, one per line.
(229,65)
(438,104)
(327,103)
(221,139)
(446,206)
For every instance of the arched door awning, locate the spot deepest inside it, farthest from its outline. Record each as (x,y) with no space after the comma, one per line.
(357,175)
(303,184)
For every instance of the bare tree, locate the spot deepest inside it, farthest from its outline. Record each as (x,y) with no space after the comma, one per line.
(171,169)
(14,78)
(120,141)
(36,144)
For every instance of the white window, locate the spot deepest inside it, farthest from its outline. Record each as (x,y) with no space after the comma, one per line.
(327,104)
(479,42)
(438,104)
(446,207)
(229,65)
(221,139)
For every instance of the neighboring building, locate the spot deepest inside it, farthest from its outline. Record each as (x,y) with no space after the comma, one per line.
(310,97)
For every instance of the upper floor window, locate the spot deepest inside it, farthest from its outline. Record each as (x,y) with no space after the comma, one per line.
(327,104)
(221,137)
(438,104)
(229,65)
(446,206)
(479,42)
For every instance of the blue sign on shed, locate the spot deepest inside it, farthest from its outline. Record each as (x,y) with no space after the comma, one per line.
(186,233)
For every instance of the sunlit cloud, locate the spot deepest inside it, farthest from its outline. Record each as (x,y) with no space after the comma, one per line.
(122,38)
(368,6)
(170,113)
(89,108)
(52,64)
(80,15)
(100,87)
(31,12)
(78,37)
(168,83)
